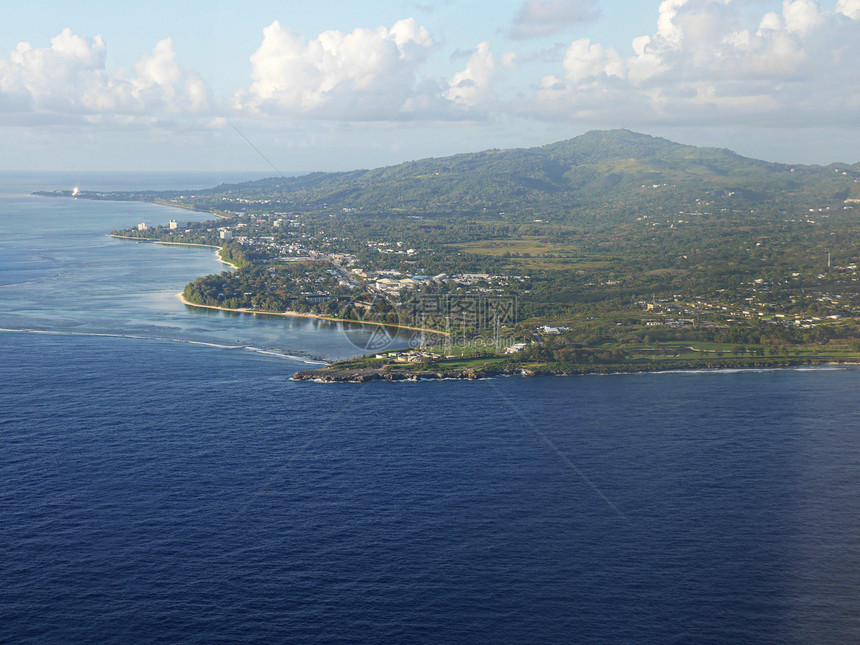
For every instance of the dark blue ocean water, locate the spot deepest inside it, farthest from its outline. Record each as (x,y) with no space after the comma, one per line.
(157,489)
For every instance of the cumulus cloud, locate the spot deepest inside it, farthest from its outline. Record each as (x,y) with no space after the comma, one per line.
(163,83)
(850,8)
(69,78)
(362,75)
(56,77)
(584,59)
(538,18)
(801,16)
(367,74)
(708,61)
(473,85)
(703,61)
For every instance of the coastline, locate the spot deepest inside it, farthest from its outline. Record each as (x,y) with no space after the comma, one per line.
(207,246)
(334,374)
(296,314)
(186,208)
(293,314)
(343,372)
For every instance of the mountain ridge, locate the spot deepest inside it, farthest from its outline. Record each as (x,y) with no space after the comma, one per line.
(609,176)
(585,172)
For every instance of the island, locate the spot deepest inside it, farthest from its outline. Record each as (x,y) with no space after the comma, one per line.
(611,252)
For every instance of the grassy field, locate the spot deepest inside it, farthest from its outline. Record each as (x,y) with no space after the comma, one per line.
(530,245)
(534,254)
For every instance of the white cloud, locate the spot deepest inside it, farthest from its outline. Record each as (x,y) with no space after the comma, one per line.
(701,61)
(538,18)
(770,22)
(713,61)
(69,78)
(162,83)
(801,16)
(367,74)
(473,84)
(56,77)
(666,27)
(850,8)
(584,60)
(647,62)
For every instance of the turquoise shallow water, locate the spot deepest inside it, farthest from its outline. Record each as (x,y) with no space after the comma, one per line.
(164,483)
(61,272)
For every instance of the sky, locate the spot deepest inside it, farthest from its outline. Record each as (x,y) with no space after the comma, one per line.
(327,85)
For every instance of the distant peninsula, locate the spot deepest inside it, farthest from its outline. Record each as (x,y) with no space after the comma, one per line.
(611,252)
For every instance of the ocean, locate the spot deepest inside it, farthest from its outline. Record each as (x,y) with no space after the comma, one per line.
(165,481)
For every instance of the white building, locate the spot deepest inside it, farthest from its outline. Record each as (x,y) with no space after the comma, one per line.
(142,227)
(174,224)
(513,349)
(226,234)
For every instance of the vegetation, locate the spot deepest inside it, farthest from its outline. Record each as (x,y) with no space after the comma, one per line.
(620,250)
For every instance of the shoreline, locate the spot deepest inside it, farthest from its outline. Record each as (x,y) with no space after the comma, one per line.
(334,374)
(207,246)
(185,208)
(292,314)
(89,195)
(297,314)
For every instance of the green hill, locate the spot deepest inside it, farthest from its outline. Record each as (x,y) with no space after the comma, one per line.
(606,176)
(599,172)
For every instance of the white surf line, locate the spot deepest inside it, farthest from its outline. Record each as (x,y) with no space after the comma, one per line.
(161,339)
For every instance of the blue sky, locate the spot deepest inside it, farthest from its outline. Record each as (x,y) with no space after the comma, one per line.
(337,85)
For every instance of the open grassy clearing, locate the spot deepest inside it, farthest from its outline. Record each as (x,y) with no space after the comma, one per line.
(530,245)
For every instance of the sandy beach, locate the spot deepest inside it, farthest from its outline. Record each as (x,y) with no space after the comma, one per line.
(296,314)
(292,314)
